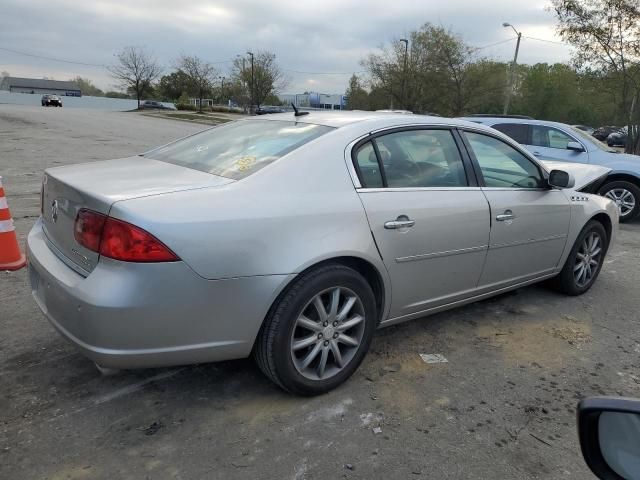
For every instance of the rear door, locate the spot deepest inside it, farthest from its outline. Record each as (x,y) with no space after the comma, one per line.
(529,221)
(427,214)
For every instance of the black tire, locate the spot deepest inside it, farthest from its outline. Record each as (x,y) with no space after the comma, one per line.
(566,282)
(272,351)
(628,186)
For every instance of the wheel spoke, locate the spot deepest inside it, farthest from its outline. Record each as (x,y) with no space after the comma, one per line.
(335,301)
(578,265)
(580,256)
(323,362)
(595,239)
(311,355)
(337,356)
(596,252)
(322,313)
(346,308)
(304,342)
(309,324)
(593,262)
(352,322)
(578,276)
(347,340)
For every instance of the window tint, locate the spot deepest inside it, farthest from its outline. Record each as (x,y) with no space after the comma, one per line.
(238,149)
(549,137)
(518,131)
(367,165)
(502,165)
(421,158)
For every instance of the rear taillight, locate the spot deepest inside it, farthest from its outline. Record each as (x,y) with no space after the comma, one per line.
(119,240)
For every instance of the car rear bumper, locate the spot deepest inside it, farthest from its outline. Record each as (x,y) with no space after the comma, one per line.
(130,315)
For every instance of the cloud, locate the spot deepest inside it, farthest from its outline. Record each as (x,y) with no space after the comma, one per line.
(306,36)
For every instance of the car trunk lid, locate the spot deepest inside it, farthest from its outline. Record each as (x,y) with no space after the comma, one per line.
(97,186)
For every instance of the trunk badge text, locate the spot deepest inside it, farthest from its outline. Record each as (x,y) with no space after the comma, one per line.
(54,211)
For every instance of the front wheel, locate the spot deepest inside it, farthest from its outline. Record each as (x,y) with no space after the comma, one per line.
(319,330)
(584,261)
(627,198)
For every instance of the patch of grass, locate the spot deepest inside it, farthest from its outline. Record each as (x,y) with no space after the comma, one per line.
(194,117)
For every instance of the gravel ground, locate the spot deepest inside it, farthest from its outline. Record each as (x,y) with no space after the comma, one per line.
(502,407)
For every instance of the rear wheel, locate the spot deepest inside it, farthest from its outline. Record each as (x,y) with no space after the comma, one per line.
(318,331)
(584,261)
(627,198)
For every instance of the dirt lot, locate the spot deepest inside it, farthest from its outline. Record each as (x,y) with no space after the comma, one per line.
(502,407)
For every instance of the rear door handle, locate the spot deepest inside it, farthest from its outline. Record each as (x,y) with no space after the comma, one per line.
(401,222)
(507,215)
(537,154)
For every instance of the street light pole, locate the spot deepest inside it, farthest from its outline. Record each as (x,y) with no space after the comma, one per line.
(512,71)
(252,82)
(222,88)
(404,73)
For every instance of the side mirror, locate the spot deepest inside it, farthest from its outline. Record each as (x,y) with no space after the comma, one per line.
(575,146)
(609,431)
(561,179)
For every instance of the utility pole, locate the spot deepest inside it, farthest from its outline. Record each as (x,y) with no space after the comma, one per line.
(251,109)
(404,73)
(512,71)
(222,88)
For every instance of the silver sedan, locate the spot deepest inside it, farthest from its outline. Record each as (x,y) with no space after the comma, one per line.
(292,237)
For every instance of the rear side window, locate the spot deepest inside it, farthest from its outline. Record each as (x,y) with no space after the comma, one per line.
(368,168)
(421,158)
(518,131)
(238,149)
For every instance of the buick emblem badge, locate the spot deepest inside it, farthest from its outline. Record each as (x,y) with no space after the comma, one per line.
(54,211)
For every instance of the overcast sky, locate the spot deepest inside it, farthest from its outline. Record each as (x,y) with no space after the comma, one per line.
(316,36)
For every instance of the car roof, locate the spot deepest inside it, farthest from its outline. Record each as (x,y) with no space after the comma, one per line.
(337,119)
(531,121)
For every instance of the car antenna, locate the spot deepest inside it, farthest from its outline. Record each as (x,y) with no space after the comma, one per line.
(298,112)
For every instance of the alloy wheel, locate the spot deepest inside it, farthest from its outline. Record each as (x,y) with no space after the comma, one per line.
(327,333)
(624,199)
(588,259)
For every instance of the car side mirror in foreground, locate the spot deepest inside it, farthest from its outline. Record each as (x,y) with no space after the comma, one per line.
(561,179)
(609,431)
(575,146)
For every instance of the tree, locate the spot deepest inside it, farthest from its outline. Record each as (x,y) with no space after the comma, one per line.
(606,35)
(136,70)
(268,77)
(436,77)
(357,96)
(200,76)
(172,86)
(87,87)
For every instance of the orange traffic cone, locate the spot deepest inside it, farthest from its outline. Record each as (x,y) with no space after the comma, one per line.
(11,258)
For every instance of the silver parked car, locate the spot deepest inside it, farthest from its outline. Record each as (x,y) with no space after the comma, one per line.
(294,237)
(558,141)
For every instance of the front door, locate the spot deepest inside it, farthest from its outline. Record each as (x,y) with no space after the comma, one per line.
(529,221)
(549,143)
(431,224)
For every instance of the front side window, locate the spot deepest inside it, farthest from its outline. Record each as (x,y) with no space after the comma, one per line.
(502,165)
(421,158)
(238,149)
(517,131)
(549,137)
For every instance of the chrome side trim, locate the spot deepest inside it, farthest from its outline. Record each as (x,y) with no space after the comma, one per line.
(418,189)
(447,253)
(528,242)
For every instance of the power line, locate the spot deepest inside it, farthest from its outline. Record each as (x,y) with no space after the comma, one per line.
(51,58)
(494,44)
(548,41)
(323,73)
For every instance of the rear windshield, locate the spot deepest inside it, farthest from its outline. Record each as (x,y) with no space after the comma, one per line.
(238,149)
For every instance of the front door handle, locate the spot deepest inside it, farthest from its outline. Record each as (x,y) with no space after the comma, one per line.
(507,215)
(537,154)
(401,222)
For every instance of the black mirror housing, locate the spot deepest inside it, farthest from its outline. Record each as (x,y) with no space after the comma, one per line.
(561,179)
(595,441)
